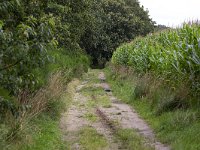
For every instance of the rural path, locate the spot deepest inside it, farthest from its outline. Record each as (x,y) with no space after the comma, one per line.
(96,115)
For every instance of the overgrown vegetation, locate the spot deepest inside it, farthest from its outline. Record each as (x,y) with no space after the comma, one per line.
(90,139)
(45,43)
(172,58)
(159,75)
(112,23)
(131,140)
(35,66)
(178,128)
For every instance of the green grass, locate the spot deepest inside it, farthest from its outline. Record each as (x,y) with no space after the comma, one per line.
(131,140)
(97,97)
(91,104)
(104,101)
(41,133)
(44,130)
(91,76)
(91,140)
(91,117)
(179,128)
(46,135)
(90,90)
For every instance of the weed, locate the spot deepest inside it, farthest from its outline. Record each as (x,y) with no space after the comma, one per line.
(91,104)
(90,139)
(142,87)
(90,90)
(104,101)
(46,135)
(131,140)
(91,117)
(177,123)
(41,120)
(3,133)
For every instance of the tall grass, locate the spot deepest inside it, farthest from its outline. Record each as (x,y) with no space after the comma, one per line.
(45,103)
(174,120)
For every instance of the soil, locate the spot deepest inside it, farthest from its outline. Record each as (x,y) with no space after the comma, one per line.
(126,117)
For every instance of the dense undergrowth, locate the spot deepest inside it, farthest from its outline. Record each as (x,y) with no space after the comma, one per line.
(37,122)
(43,45)
(167,63)
(176,127)
(39,55)
(159,75)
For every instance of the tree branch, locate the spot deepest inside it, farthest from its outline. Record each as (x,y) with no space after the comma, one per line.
(10,65)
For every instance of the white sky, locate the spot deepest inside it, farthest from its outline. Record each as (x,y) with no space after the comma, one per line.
(172,12)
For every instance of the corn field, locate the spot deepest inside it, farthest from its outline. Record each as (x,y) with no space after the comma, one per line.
(172,54)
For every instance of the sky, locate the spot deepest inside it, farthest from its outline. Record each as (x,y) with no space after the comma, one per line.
(172,12)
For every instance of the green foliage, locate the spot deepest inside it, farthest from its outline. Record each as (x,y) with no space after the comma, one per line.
(41,37)
(90,139)
(160,28)
(46,135)
(131,140)
(177,127)
(173,55)
(7,104)
(30,53)
(36,40)
(112,23)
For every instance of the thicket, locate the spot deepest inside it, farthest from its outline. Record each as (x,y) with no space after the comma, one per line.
(167,66)
(113,23)
(39,54)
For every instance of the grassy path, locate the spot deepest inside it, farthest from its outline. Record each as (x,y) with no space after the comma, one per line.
(98,120)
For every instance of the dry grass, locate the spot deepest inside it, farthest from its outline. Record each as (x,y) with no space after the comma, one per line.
(160,93)
(52,91)
(32,106)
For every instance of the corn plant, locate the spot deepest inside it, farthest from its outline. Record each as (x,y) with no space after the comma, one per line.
(172,54)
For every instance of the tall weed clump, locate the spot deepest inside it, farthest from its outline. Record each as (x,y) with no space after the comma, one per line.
(172,58)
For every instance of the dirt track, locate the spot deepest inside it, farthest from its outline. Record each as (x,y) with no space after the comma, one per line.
(94,97)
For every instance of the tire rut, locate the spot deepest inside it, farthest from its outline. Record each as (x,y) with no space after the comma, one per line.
(126,117)
(73,121)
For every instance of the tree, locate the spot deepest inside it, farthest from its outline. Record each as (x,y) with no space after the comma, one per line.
(113,23)
(29,29)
